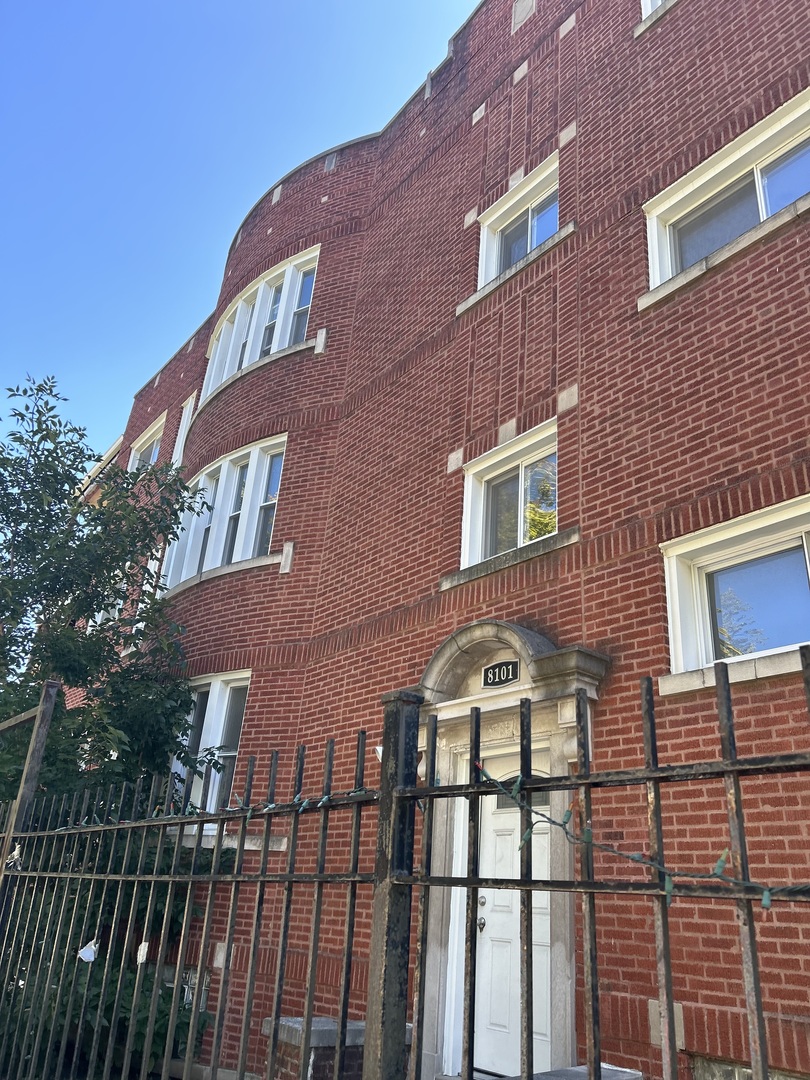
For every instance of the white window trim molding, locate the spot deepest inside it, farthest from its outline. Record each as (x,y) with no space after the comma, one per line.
(537,185)
(651,12)
(537,442)
(224,347)
(183,557)
(185,423)
(535,253)
(686,561)
(755,147)
(146,437)
(219,686)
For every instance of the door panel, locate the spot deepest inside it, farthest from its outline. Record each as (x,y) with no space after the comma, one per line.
(497,1012)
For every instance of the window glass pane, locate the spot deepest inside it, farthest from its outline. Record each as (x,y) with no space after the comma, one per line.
(264,533)
(239,493)
(272,318)
(245,335)
(514,242)
(760,604)
(299,327)
(305,289)
(787,179)
(298,330)
(273,477)
(540,799)
(232,728)
(502,497)
(211,496)
(722,221)
(267,508)
(231,731)
(539,498)
(149,454)
(230,539)
(197,721)
(233,520)
(544,220)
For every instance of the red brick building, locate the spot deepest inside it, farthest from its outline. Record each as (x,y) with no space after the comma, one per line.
(524,377)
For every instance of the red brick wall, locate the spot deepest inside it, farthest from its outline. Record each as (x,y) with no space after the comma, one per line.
(690,413)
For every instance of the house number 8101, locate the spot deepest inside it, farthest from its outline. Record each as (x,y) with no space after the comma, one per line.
(500,674)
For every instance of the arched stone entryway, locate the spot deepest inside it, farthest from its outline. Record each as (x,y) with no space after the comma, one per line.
(451,684)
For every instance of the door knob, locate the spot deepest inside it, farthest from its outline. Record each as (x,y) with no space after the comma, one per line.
(482,922)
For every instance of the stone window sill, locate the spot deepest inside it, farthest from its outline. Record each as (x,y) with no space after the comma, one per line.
(534,254)
(753,236)
(302,346)
(653,17)
(768,666)
(510,558)
(282,559)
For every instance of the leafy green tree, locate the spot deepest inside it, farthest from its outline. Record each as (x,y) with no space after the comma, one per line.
(80,601)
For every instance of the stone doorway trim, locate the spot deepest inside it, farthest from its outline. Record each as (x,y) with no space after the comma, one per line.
(451,684)
(553,673)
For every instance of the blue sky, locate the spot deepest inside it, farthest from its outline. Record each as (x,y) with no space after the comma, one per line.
(137,135)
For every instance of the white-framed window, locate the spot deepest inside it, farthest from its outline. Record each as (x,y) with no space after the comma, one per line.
(510,495)
(741,588)
(760,173)
(649,6)
(242,492)
(269,315)
(146,448)
(182,431)
(519,222)
(216,725)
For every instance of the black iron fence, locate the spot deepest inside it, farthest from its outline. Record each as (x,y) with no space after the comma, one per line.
(138,939)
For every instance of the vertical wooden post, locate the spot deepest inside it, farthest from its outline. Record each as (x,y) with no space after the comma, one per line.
(385,1052)
(30,775)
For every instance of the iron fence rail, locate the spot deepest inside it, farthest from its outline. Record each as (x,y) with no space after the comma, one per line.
(138,940)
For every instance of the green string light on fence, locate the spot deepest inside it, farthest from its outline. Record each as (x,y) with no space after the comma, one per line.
(669,874)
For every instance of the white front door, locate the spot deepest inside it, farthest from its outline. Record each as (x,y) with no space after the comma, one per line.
(497,998)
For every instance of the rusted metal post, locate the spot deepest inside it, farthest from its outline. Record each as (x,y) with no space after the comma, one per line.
(351,906)
(591,972)
(804,653)
(663,959)
(385,1048)
(423,908)
(526,898)
(470,921)
(757,1036)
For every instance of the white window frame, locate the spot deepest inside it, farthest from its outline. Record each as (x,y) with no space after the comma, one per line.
(219,687)
(532,189)
(649,6)
(182,431)
(688,559)
(152,434)
(758,147)
(540,441)
(243,321)
(183,559)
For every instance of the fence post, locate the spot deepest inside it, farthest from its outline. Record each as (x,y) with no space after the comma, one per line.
(30,774)
(385,1053)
